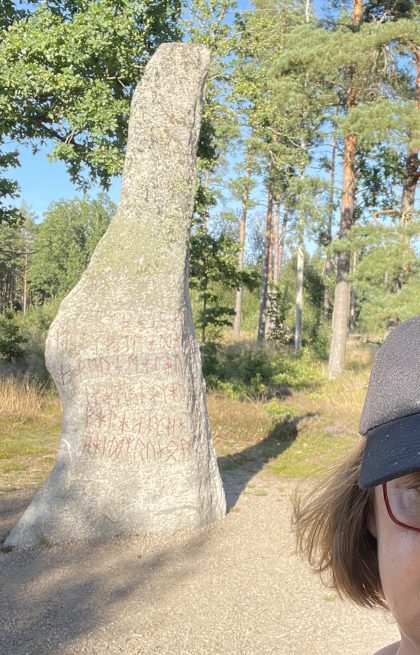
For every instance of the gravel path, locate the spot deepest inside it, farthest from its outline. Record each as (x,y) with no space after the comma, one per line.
(233,588)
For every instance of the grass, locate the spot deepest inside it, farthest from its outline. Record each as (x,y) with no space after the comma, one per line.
(44,542)
(303,433)
(301,430)
(30,423)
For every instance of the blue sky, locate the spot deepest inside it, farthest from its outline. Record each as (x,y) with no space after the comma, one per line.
(42,182)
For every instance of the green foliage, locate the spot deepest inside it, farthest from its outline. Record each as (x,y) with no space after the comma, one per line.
(387,274)
(68,72)
(374,10)
(65,242)
(11,340)
(379,171)
(276,409)
(378,307)
(259,373)
(282,307)
(34,325)
(214,262)
(8,188)
(205,22)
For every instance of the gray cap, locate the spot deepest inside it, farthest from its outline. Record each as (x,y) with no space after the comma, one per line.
(391,413)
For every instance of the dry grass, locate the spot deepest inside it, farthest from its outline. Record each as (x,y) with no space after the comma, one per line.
(27,398)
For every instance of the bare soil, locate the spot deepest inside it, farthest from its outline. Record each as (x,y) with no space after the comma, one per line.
(234,588)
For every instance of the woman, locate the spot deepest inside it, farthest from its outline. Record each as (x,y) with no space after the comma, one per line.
(364,524)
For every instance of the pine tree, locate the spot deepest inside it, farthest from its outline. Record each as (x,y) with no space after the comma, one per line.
(341,309)
(282,104)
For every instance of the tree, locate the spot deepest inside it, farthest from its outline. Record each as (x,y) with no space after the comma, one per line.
(68,70)
(212,257)
(341,309)
(64,244)
(380,245)
(11,341)
(214,265)
(284,104)
(241,188)
(16,246)
(205,23)
(8,188)
(360,73)
(9,13)
(268,239)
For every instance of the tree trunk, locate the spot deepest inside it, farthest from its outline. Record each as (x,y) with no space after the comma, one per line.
(341,309)
(266,264)
(300,262)
(412,164)
(242,232)
(25,282)
(276,267)
(411,176)
(328,262)
(206,186)
(272,269)
(282,240)
(353,294)
(299,287)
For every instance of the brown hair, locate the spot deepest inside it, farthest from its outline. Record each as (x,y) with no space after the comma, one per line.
(331,525)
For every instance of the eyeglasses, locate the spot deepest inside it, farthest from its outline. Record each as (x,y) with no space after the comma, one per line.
(403,504)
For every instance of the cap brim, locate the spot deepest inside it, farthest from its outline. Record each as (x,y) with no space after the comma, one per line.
(391,450)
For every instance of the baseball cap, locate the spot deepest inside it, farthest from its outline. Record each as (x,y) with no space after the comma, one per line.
(390,419)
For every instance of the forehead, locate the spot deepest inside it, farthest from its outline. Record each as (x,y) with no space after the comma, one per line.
(410,478)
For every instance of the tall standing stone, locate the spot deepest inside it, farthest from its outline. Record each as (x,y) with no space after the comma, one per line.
(136,454)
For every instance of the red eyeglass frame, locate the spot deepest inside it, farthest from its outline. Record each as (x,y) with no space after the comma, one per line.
(391,515)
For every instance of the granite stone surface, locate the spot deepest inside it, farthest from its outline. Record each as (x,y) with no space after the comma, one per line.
(136,454)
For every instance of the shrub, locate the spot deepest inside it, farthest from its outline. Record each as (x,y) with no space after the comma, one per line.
(261,372)
(11,339)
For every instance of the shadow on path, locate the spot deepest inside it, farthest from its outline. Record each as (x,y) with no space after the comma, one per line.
(238,469)
(50,597)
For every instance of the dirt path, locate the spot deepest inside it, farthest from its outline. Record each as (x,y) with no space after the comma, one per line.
(235,588)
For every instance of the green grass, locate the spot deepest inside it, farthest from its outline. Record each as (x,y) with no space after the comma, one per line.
(302,442)
(311,455)
(30,425)
(27,450)
(304,433)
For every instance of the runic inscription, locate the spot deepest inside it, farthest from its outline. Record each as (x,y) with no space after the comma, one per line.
(136,334)
(134,449)
(114,366)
